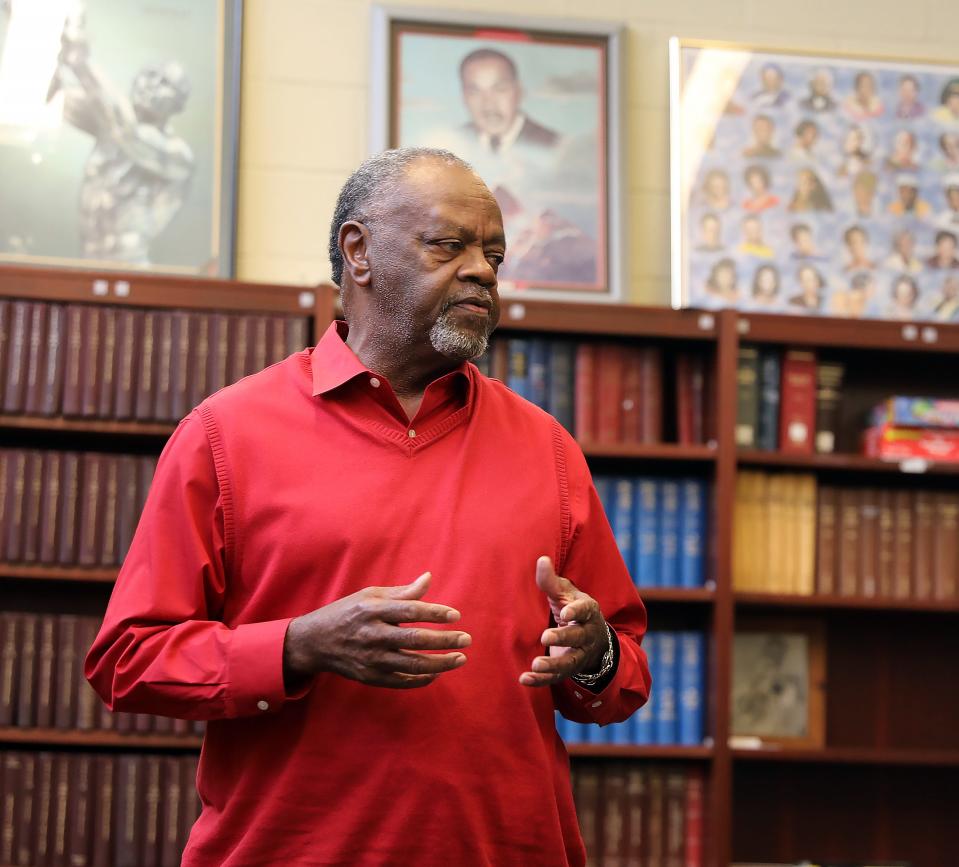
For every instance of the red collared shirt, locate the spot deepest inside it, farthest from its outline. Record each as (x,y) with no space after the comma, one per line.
(300,485)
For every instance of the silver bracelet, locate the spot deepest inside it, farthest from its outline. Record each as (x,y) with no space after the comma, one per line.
(605,667)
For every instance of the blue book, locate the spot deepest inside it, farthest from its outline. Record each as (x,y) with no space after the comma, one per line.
(669,533)
(604,489)
(619,733)
(623,518)
(767,437)
(562,365)
(643,729)
(692,678)
(517,376)
(538,369)
(666,675)
(646,533)
(691,551)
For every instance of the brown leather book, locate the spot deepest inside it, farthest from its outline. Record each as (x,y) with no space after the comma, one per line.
(69,671)
(747,397)
(586,793)
(129,342)
(241,349)
(108,505)
(18,348)
(59,808)
(615,814)
(826,541)
(46,668)
(610,365)
(104,780)
(80,812)
(656,818)
(67,524)
(945,567)
(10,639)
(25,810)
(170,808)
(88,702)
(197,361)
(887,539)
(11,778)
(584,396)
(848,550)
(829,376)
(33,492)
(296,334)
(145,404)
(163,388)
(632,397)
(675,817)
(651,370)
(869,542)
(91,357)
(50,506)
(91,498)
(221,333)
(72,401)
(260,343)
(276,338)
(109,363)
(636,804)
(127,504)
(5,308)
(36,357)
(180,371)
(923,547)
(42,809)
(51,402)
(128,793)
(6,469)
(150,812)
(17,486)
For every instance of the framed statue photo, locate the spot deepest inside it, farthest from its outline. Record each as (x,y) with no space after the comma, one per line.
(118,133)
(814,184)
(779,674)
(533,106)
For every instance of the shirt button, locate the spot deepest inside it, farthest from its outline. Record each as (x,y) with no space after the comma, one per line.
(374,382)
(596,704)
(263,705)
(578,694)
(411,433)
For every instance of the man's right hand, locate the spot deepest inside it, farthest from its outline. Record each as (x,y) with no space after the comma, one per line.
(361,637)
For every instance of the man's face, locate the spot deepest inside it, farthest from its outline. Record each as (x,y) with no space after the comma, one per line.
(435,248)
(905,244)
(752,231)
(491,94)
(907,91)
(907,195)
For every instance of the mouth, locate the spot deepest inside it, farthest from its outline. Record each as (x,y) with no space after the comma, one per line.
(475,305)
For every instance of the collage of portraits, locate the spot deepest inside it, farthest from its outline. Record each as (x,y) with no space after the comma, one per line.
(827,187)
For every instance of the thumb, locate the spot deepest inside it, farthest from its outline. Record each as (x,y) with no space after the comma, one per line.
(415,590)
(548,581)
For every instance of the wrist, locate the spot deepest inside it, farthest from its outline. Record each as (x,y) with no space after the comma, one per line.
(596,673)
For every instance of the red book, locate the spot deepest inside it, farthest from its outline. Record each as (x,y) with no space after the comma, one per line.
(797,419)
(109,366)
(71,375)
(656,819)
(690,396)
(51,401)
(67,524)
(36,357)
(129,337)
(91,528)
(633,397)
(610,365)
(18,348)
(651,367)
(695,817)
(584,398)
(90,360)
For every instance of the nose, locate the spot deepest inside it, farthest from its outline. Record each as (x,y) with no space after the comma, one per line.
(476,268)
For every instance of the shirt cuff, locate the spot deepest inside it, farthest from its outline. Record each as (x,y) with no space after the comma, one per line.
(594,701)
(256,669)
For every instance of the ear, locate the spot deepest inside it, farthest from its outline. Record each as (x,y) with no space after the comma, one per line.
(354,241)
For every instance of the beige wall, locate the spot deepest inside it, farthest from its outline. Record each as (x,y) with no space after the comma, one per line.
(306,82)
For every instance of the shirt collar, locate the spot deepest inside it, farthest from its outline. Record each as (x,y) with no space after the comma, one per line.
(333,363)
(508,138)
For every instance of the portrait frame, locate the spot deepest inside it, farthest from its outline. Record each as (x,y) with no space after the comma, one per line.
(558,175)
(779,682)
(186,220)
(814,183)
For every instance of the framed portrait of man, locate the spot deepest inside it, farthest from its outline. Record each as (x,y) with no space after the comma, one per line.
(814,184)
(533,107)
(118,133)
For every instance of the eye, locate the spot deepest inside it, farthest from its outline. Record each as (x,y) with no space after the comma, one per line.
(495,259)
(450,245)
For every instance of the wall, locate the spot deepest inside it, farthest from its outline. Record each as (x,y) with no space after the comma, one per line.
(306,80)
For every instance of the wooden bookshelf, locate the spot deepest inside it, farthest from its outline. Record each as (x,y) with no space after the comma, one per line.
(858,603)
(845,463)
(125,429)
(852,756)
(630,751)
(42,572)
(680,595)
(650,452)
(97,739)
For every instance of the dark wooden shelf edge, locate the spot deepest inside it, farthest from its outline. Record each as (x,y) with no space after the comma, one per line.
(86,425)
(639,751)
(655,451)
(859,463)
(60,737)
(677,594)
(36,572)
(856,602)
(852,756)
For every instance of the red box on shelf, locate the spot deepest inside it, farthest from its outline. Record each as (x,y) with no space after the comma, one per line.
(889,442)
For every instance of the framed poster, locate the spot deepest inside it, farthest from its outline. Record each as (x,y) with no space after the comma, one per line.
(118,133)
(779,674)
(814,184)
(533,106)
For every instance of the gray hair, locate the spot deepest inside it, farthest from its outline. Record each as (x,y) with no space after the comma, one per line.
(370,184)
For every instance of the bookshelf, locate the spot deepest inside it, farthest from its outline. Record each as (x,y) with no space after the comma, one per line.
(882,786)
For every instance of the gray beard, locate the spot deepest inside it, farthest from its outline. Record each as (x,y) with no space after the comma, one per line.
(456,342)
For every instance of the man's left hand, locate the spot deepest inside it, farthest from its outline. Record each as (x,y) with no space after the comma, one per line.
(577,642)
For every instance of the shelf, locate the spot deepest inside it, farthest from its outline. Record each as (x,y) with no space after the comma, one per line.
(856,463)
(649,451)
(791,600)
(637,751)
(41,572)
(852,756)
(61,737)
(87,425)
(702,595)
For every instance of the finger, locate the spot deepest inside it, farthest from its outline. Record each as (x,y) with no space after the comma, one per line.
(558,666)
(414,590)
(409,662)
(414,611)
(581,609)
(531,678)
(428,639)
(393,680)
(565,636)
(548,581)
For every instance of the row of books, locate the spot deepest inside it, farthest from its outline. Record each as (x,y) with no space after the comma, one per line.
(69,809)
(605,392)
(640,815)
(673,716)
(660,527)
(70,508)
(787,400)
(110,362)
(793,535)
(42,683)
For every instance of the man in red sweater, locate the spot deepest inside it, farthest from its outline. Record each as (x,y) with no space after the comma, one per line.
(298,521)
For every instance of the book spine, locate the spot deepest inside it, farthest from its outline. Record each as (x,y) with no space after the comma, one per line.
(923,544)
(46,665)
(826,541)
(37,334)
(25,810)
(10,641)
(144,406)
(693,533)
(669,530)
(51,402)
(902,558)
(499,360)
(180,371)
(199,377)
(666,677)
(651,413)
(260,342)
(88,702)
(675,818)
(241,349)
(150,814)
(6,482)
(67,516)
(169,820)
(623,517)
(90,525)
(69,671)
(684,399)
(126,848)
(584,401)
(847,568)
(769,383)
(163,395)
(806,488)
(614,809)
(17,485)
(50,506)
(646,535)
(108,507)
(636,798)
(946,550)
(609,393)
(692,674)
(106,386)
(695,817)
(829,376)
(656,828)
(561,384)
(103,811)
(128,340)
(588,805)
(296,334)
(869,542)
(747,396)
(797,423)
(632,396)
(42,808)
(127,504)
(90,359)
(80,813)
(219,351)
(71,378)
(33,491)
(887,541)
(11,782)
(5,330)
(518,378)
(59,807)
(539,372)
(18,347)
(276,337)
